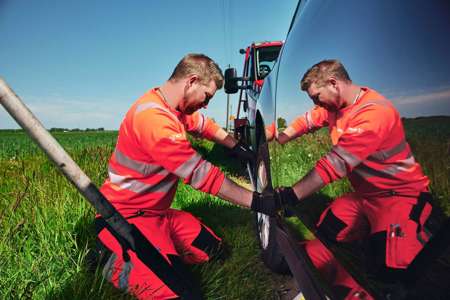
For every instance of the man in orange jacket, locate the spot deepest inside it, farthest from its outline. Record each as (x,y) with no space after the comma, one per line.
(390,205)
(151,155)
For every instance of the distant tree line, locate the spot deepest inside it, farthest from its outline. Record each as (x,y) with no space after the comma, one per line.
(57,129)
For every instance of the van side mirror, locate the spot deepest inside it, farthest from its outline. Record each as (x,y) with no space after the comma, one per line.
(231,81)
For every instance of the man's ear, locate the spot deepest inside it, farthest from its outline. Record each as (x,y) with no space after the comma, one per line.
(332,80)
(192,79)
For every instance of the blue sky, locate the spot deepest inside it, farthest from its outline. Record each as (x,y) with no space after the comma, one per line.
(81,64)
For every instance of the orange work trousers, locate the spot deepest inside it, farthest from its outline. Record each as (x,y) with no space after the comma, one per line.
(177,235)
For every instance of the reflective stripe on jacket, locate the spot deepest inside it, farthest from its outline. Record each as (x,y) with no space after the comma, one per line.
(369,147)
(153,152)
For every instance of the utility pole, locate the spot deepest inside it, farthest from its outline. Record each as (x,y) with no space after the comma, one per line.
(228,105)
(231,109)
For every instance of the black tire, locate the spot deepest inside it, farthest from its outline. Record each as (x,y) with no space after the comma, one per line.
(266,226)
(270,251)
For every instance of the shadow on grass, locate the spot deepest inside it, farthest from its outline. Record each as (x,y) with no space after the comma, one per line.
(221,156)
(217,214)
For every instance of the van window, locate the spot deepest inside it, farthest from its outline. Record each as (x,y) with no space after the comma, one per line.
(266,58)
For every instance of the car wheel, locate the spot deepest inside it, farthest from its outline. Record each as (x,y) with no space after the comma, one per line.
(266,225)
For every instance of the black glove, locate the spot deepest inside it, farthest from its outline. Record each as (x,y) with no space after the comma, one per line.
(243,152)
(286,196)
(266,203)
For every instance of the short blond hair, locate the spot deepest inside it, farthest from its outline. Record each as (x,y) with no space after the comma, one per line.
(202,66)
(320,72)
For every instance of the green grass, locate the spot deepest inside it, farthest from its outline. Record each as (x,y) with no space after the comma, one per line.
(430,142)
(47,227)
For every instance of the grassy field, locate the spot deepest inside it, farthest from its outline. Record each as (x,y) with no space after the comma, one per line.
(47,227)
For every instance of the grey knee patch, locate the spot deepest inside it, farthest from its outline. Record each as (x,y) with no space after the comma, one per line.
(124,275)
(109,267)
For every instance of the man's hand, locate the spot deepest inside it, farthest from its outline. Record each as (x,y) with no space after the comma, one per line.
(286,196)
(266,203)
(282,138)
(243,152)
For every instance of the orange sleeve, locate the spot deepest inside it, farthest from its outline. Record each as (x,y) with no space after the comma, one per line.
(326,171)
(164,140)
(312,120)
(200,125)
(365,132)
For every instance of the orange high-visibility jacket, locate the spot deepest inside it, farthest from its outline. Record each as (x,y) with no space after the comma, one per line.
(369,147)
(153,152)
